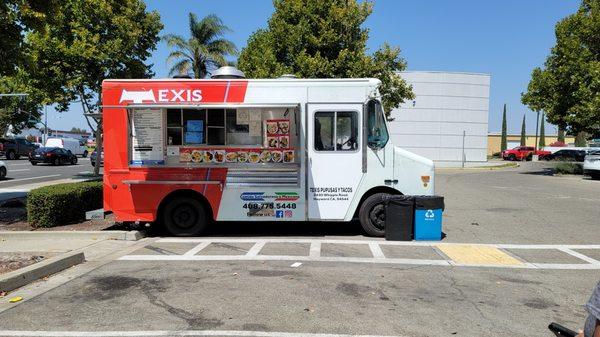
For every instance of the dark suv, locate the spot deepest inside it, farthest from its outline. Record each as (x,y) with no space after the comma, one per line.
(14,148)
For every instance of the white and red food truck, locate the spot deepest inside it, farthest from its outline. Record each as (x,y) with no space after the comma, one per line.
(183,152)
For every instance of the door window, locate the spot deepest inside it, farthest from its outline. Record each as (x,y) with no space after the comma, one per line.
(378,134)
(336,131)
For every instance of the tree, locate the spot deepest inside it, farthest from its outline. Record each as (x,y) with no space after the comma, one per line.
(542,141)
(205,50)
(561,135)
(567,88)
(78,130)
(87,41)
(324,39)
(580,139)
(523,133)
(18,113)
(17,16)
(503,137)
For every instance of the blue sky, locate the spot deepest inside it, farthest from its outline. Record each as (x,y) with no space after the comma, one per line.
(506,39)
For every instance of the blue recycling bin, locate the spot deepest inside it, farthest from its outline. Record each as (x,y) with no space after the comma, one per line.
(428,217)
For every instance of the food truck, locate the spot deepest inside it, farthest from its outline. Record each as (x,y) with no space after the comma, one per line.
(183,153)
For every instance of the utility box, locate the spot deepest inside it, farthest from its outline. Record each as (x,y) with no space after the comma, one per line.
(399,216)
(428,217)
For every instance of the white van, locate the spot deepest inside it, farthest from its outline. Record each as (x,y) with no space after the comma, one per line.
(76,146)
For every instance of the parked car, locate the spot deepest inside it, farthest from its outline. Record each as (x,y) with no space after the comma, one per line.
(591,164)
(523,153)
(14,148)
(3,170)
(567,155)
(93,158)
(76,146)
(52,155)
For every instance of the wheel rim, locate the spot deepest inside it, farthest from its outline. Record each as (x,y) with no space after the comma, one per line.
(2,172)
(11,155)
(377,216)
(184,216)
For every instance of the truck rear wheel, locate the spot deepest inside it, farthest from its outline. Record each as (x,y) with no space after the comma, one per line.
(184,216)
(10,155)
(372,215)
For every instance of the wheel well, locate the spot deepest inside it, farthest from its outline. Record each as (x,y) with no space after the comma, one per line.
(184,193)
(375,190)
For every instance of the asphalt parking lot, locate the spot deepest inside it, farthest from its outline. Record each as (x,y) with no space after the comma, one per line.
(528,255)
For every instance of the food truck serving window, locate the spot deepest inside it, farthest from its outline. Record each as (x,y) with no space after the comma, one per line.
(336,131)
(213,136)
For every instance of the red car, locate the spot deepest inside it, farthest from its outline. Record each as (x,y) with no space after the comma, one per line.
(523,153)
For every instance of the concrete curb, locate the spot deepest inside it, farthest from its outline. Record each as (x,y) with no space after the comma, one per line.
(69,235)
(20,277)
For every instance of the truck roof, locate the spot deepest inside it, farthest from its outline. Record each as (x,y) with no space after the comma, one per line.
(373,81)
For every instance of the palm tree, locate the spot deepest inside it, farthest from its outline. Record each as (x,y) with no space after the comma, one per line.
(205,50)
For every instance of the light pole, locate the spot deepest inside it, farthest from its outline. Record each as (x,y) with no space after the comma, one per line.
(537,122)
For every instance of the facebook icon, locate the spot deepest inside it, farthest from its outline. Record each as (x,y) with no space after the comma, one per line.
(279,214)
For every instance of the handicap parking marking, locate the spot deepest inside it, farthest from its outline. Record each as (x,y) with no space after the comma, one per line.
(478,255)
(197,333)
(438,254)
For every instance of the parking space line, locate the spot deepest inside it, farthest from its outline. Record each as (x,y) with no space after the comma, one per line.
(451,254)
(376,251)
(256,249)
(579,255)
(196,249)
(20,170)
(199,333)
(315,249)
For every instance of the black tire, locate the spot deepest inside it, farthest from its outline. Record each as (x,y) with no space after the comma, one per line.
(74,160)
(17,157)
(34,163)
(184,216)
(56,161)
(595,176)
(512,157)
(10,155)
(2,173)
(529,158)
(372,215)
(84,155)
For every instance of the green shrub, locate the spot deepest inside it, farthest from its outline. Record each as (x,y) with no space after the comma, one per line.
(568,168)
(61,204)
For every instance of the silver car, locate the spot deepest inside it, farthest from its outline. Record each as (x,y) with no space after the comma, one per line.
(591,164)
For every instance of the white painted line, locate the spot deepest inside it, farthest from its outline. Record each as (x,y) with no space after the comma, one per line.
(21,164)
(19,170)
(228,333)
(296,264)
(579,256)
(255,249)
(315,249)
(380,242)
(85,172)
(376,251)
(32,178)
(281,258)
(196,249)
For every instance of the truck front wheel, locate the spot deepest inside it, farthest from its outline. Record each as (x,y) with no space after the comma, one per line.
(10,155)
(372,215)
(184,216)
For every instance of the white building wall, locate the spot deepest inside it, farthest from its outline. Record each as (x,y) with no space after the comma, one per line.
(446,104)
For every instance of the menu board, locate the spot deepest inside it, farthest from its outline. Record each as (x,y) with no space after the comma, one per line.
(278,133)
(147,140)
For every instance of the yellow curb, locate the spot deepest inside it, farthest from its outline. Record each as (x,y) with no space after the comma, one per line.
(478,255)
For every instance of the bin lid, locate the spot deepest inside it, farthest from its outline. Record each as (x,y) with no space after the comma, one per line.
(429,202)
(407,200)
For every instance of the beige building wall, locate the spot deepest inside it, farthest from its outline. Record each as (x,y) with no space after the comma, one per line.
(494,141)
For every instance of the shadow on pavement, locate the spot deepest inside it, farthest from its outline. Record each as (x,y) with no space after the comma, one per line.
(546,171)
(268,228)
